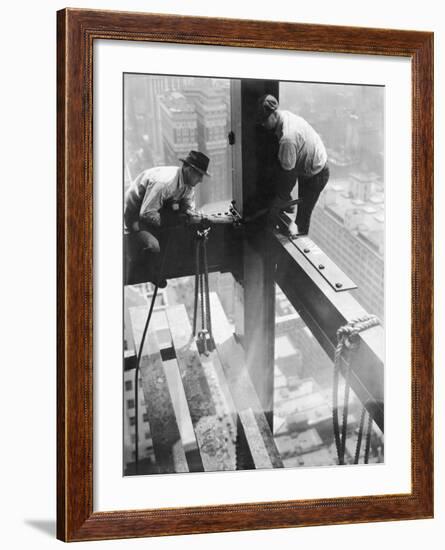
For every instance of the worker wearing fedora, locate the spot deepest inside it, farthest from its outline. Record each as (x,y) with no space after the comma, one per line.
(301,155)
(154,191)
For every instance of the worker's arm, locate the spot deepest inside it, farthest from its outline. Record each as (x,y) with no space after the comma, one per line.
(288,153)
(151,204)
(188,208)
(188,204)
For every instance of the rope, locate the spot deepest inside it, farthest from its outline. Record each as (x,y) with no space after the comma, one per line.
(347,342)
(336,427)
(360,436)
(345,414)
(368,439)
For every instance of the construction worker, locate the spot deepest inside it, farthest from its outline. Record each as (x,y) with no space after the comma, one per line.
(301,156)
(152,194)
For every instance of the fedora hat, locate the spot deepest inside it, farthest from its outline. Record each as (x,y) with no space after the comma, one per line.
(198,161)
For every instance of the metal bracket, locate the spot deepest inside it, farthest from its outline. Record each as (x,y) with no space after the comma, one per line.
(317,258)
(237,218)
(324,265)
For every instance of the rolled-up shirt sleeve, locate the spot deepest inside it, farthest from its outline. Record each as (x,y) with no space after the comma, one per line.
(287,154)
(143,200)
(151,204)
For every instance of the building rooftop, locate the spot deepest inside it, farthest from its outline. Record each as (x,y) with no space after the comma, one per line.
(177,102)
(361,212)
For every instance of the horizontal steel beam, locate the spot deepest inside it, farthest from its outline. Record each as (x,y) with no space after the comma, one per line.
(328,269)
(324,310)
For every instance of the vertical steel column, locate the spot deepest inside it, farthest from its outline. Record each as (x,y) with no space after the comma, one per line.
(257,326)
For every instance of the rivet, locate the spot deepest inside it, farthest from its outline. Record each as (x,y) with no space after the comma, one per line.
(306,250)
(338,285)
(321,266)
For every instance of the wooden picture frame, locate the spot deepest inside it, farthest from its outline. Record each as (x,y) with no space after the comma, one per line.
(77,31)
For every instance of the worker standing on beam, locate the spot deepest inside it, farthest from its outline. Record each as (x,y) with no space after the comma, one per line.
(301,156)
(153,193)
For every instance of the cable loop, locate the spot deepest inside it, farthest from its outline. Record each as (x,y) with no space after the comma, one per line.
(348,341)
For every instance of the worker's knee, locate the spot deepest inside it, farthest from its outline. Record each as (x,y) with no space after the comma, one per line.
(140,243)
(148,242)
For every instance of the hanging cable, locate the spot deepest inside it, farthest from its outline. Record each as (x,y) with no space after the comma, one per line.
(204,337)
(347,342)
(141,347)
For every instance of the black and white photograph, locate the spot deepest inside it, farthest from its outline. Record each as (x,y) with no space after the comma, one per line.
(253,265)
(226,331)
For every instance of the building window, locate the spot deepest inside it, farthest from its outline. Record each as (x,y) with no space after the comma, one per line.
(132,420)
(128,385)
(130,403)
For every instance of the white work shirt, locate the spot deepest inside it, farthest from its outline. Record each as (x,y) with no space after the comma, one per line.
(152,189)
(300,145)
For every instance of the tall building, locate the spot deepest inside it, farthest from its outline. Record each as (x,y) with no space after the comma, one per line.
(179,126)
(348,224)
(212,119)
(157,86)
(139,137)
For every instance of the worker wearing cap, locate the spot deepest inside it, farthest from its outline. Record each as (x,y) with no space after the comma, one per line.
(152,192)
(301,155)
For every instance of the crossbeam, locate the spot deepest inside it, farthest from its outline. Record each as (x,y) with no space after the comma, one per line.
(211,418)
(233,361)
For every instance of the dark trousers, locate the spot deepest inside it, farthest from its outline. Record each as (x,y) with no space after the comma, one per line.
(309,189)
(142,256)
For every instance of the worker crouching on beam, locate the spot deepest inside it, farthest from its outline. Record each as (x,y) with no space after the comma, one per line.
(301,156)
(153,192)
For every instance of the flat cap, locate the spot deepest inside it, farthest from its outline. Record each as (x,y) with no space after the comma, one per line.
(267,104)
